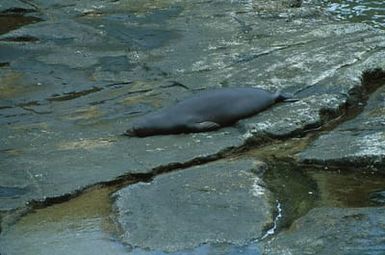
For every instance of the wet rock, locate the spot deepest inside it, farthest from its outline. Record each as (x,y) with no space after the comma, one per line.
(221,202)
(140,156)
(303,114)
(13,21)
(16,6)
(275,5)
(333,231)
(81,225)
(11,191)
(71,88)
(15,186)
(357,142)
(295,193)
(378,198)
(344,188)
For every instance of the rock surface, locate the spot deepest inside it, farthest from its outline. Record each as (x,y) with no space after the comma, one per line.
(79,226)
(338,231)
(220,202)
(73,75)
(378,198)
(358,142)
(71,83)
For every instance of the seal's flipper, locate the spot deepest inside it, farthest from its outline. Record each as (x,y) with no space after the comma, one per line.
(204,126)
(290,100)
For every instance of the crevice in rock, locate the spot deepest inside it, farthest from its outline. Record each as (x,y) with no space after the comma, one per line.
(25,38)
(18,11)
(10,21)
(123,181)
(95,89)
(73,95)
(298,188)
(26,108)
(118,84)
(30,3)
(245,58)
(371,80)
(294,190)
(232,151)
(357,98)
(251,57)
(175,84)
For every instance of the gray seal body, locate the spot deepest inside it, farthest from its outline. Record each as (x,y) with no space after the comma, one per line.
(204,112)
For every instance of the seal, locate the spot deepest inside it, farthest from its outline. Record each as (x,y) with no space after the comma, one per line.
(208,111)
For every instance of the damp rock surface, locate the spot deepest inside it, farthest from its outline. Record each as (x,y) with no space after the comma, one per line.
(72,82)
(358,142)
(74,74)
(339,231)
(221,202)
(80,226)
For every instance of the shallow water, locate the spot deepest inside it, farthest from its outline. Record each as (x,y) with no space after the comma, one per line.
(79,226)
(85,225)
(371,12)
(13,21)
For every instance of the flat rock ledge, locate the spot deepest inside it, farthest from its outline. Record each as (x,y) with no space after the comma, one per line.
(338,231)
(359,142)
(221,202)
(72,82)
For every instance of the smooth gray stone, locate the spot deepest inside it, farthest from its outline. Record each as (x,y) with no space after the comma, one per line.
(359,142)
(339,231)
(220,202)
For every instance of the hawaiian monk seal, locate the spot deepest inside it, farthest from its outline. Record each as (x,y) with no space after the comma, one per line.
(205,112)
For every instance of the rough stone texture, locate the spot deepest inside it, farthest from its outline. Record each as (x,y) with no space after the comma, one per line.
(338,231)
(378,198)
(96,160)
(221,202)
(73,74)
(357,142)
(71,83)
(79,226)
(10,6)
(303,114)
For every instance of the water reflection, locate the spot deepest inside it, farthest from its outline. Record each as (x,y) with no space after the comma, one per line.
(219,249)
(79,226)
(10,22)
(368,11)
(85,225)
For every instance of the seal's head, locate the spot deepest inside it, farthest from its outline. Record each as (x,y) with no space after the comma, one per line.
(146,127)
(139,131)
(130,132)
